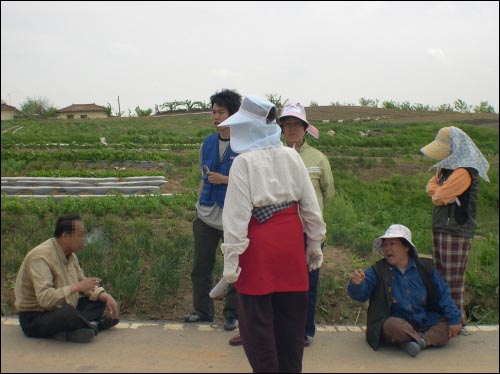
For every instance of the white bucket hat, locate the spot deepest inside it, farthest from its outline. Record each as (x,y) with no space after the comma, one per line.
(395,231)
(298,111)
(250,128)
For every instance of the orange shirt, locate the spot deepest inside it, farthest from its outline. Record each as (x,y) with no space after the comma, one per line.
(456,184)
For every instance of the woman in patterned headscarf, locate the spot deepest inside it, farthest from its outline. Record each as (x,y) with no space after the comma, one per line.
(454,193)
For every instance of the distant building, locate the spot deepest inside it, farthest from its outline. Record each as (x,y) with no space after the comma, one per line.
(77,111)
(8,112)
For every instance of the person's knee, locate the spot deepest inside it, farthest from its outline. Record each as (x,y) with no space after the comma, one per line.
(70,316)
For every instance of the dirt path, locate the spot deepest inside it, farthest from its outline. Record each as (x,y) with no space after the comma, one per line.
(174,347)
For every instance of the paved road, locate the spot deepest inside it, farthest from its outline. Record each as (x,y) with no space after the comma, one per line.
(134,346)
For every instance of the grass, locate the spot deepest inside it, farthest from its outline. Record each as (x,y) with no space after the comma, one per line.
(142,247)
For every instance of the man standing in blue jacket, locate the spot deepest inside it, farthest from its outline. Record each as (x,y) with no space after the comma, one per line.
(216,158)
(410,304)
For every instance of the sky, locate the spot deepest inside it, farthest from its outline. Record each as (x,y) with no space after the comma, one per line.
(149,53)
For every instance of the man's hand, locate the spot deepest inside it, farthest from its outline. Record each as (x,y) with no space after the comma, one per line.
(85,285)
(111,305)
(358,276)
(217,178)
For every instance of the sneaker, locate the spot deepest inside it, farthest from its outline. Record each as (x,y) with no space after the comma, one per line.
(106,323)
(230,323)
(77,336)
(307,342)
(196,317)
(235,340)
(412,348)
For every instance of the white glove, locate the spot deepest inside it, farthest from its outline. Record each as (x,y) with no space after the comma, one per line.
(314,258)
(231,269)
(219,288)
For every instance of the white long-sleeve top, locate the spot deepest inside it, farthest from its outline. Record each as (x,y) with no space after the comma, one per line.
(264,177)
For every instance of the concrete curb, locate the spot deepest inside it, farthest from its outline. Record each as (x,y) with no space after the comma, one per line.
(179,326)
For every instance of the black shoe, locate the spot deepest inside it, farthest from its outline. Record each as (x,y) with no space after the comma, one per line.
(230,323)
(106,323)
(77,336)
(196,317)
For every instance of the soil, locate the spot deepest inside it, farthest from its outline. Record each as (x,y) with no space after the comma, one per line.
(341,114)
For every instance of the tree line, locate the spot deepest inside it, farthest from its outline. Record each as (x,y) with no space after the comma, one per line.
(39,107)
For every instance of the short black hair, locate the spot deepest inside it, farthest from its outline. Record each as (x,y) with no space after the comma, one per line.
(231,100)
(272,115)
(65,224)
(407,244)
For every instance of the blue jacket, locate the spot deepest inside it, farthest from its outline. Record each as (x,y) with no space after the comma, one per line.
(214,193)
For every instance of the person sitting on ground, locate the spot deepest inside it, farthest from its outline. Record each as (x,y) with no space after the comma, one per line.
(53,297)
(410,304)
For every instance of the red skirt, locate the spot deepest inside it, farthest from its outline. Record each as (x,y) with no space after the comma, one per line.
(275,260)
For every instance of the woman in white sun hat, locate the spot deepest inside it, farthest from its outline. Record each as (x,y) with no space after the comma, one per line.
(454,193)
(410,304)
(270,203)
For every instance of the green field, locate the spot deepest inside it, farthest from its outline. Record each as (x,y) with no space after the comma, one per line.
(142,246)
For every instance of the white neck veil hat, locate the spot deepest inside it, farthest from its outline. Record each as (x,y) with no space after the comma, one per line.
(250,129)
(463,154)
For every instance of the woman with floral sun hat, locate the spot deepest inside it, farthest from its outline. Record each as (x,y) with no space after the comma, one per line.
(454,192)
(410,304)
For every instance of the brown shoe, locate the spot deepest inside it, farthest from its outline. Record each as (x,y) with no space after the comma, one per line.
(235,340)
(307,342)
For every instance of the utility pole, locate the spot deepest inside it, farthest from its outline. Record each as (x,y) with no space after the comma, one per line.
(119,111)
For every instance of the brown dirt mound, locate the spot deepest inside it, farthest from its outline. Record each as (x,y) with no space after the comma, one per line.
(359,113)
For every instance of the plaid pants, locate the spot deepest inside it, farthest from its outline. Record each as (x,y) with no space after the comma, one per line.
(450,259)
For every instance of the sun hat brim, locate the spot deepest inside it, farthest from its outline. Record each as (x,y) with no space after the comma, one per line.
(239,118)
(437,149)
